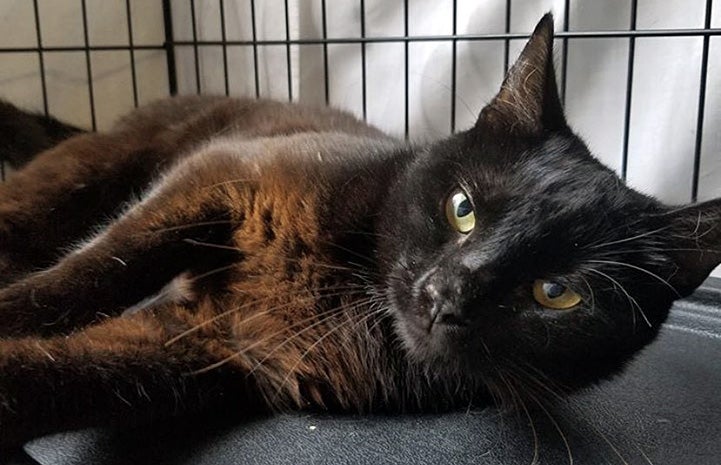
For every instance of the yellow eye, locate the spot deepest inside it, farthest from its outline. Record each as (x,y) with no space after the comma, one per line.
(550,294)
(459,212)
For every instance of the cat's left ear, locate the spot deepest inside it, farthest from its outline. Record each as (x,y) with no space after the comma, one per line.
(694,243)
(528,103)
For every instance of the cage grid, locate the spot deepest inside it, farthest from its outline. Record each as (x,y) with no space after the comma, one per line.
(170,46)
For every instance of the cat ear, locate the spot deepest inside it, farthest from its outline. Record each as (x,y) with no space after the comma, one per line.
(528,103)
(694,244)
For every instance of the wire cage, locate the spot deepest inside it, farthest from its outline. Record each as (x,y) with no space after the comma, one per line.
(183,64)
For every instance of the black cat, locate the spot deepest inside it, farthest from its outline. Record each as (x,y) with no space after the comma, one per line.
(282,256)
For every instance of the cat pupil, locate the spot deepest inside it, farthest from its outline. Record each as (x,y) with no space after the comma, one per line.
(464,208)
(553,290)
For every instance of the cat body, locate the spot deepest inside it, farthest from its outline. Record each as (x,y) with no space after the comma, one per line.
(262,259)
(274,256)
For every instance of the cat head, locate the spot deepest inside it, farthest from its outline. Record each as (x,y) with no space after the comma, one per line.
(509,249)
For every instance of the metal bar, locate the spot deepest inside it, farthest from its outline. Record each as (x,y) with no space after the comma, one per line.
(169,48)
(41,58)
(80,48)
(195,46)
(254,43)
(453,68)
(448,38)
(629,87)
(89,65)
(133,74)
(387,39)
(406,127)
(287,53)
(701,106)
(363,59)
(564,56)
(324,19)
(224,37)
(507,41)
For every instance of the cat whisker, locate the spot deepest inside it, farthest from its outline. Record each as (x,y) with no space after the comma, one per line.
(239,353)
(212,272)
(492,389)
(628,239)
(185,226)
(327,313)
(322,318)
(348,290)
(315,344)
(355,253)
(628,296)
(366,233)
(643,270)
(652,250)
(610,444)
(384,314)
(496,393)
(538,379)
(231,248)
(231,181)
(292,337)
(643,454)
(536,448)
(558,397)
(209,321)
(292,260)
(555,424)
(485,347)
(513,404)
(590,291)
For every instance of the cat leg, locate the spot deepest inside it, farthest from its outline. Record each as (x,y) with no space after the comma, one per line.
(119,371)
(66,191)
(132,259)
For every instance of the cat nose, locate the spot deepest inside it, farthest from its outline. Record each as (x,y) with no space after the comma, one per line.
(446,297)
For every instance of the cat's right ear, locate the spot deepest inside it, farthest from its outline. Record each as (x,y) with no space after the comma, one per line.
(528,102)
(694,243)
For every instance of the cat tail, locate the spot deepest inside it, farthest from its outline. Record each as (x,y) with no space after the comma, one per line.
(24,134)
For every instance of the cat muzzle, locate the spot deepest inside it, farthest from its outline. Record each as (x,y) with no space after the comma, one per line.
(445,299)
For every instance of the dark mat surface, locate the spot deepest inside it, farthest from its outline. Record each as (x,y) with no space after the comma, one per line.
(665,409)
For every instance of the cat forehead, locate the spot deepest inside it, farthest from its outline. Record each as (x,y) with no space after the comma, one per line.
(559,164)
(550,186)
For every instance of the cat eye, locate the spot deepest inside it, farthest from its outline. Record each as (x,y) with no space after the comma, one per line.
(459,212)
(553,295)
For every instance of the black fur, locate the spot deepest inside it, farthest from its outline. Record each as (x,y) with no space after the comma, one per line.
(332,189)
(545,209)
(24,134)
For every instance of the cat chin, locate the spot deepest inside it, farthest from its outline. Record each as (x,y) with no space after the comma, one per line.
(460,355)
